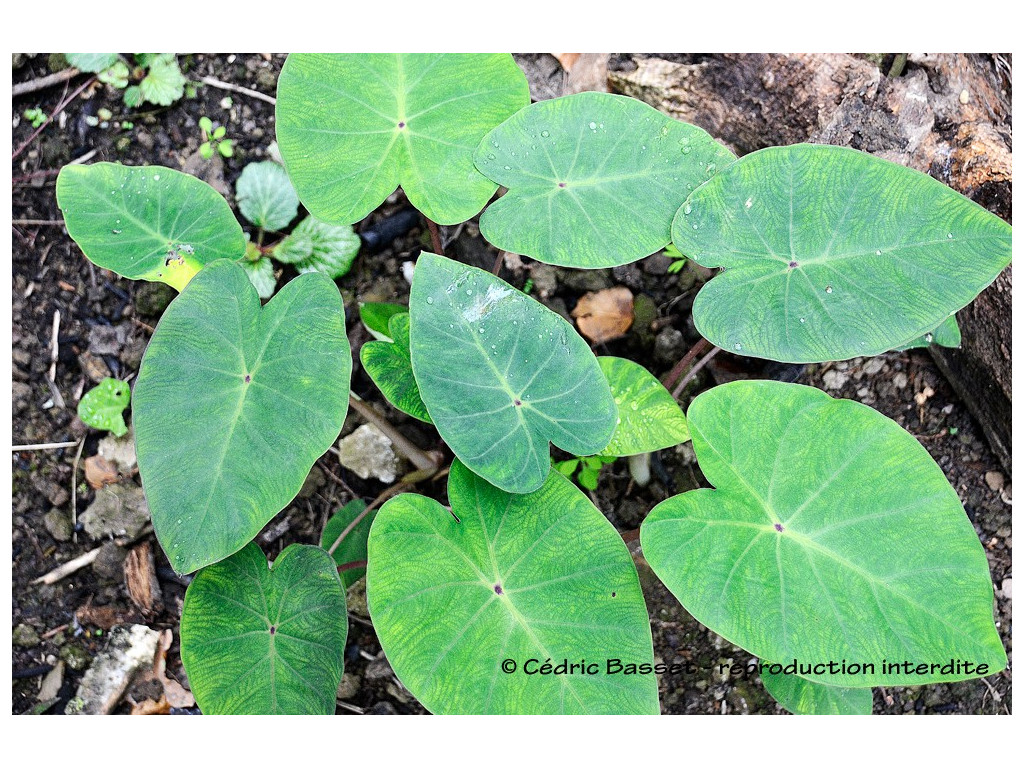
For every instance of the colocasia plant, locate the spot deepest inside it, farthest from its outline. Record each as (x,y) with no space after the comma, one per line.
(829,545)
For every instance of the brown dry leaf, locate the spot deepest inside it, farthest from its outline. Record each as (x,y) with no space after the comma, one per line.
(174,692)
(100,472)
(567,60)
(140,578)
(100,616)
(150,707)
(589,73)
(605,315)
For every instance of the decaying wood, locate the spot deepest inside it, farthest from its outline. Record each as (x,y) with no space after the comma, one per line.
(947,115)
(140,578)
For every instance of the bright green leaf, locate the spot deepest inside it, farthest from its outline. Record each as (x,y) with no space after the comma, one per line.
(802,697)
(147,223)
(206,125)
(388,364)
(226,148)
(261,275)
(115,75)
(566,467)
(132,96)
(392,119)
(206,150)
(831,535)
(233,405)
(377,314)
(946,335)
(649,417)
(164,84)
(265,641)
(102,406)
(219,132)
(502,375)
(314,246)
(597,176)
(353,546)
(537,576)
(91,62)
(830,253)
(265,195)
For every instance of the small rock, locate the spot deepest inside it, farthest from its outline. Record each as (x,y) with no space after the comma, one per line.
(21,394)
(120,450)
(51,683)
(874,365)
(900,380)
(348,687)
(119,510)
(382,708)
(545,279)
(378,669)
(25,636)
(995,480)
(585,280)
(58,524)
(1007,588)
(109,563)
(629,275)
(95,368)
(834,380)
(368,453)
(75,656)
(657,264)
(669,345)
(129,649)
(106,339)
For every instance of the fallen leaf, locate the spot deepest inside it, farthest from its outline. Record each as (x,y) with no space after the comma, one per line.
(606,314)
(174,692)
(140,578)
(567,60)
(100,616)
(100,472)
(150,707)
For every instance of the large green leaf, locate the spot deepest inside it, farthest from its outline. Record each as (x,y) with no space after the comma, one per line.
(946,335)
(265,195)
(597,176)
(802,697)
(832,536)
(353,546)
(541,576)
(352,127)
(233,405)
(830,253)
(502,375)
(265,641)
(389,365)
(649,417)
(147,223)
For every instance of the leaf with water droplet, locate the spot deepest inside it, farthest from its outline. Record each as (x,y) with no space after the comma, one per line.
(652,421)
(103,405)
(946,335)
(876,266)
(830,534)
(595,198)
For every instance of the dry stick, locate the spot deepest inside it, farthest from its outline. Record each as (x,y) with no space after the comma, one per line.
(238,89)
(43,82)
(694,371)
(38,222)
(435,237)
(386,494)
(58,399)
(74,492)
(60,108)
(679,368)
(53,172)
(414,454)
(68,568)
(43,446)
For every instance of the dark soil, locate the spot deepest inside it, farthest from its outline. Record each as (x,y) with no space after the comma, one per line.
(105,322)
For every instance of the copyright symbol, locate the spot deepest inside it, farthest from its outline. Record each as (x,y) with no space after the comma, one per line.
(508,666)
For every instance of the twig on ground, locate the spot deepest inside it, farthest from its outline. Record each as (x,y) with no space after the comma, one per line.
(38,222)
(60,108)
(694,371)
(418,457)
(44,82)
(43,446)
(66,569)
(74,492)
(51,376)
(237,89)
(679,368)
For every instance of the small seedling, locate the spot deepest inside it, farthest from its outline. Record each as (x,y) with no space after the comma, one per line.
(35,116)
(156,77)
(828,534)
(213,139)
(589,469)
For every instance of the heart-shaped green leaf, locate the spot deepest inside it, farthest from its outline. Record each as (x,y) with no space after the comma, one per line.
(649,417)
(265,195)
(830,253)
(233,405)
(597,176)
(91,62)
(163,84)
(388,364)
(102,406)
(265,641)
(352,127)
(377,314)
(314,246)
(946,335)
(502,375)
(802,697)
(353,546)
(831,536)
(147,223)
(461,608)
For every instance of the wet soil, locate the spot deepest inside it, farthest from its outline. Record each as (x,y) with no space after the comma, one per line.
(104,324)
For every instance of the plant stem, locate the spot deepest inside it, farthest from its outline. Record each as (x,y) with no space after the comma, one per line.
(435,237)
(351,566)
(60,108)
(386,494)
(417,456)
(694,371)
(679,368)
(897,65)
